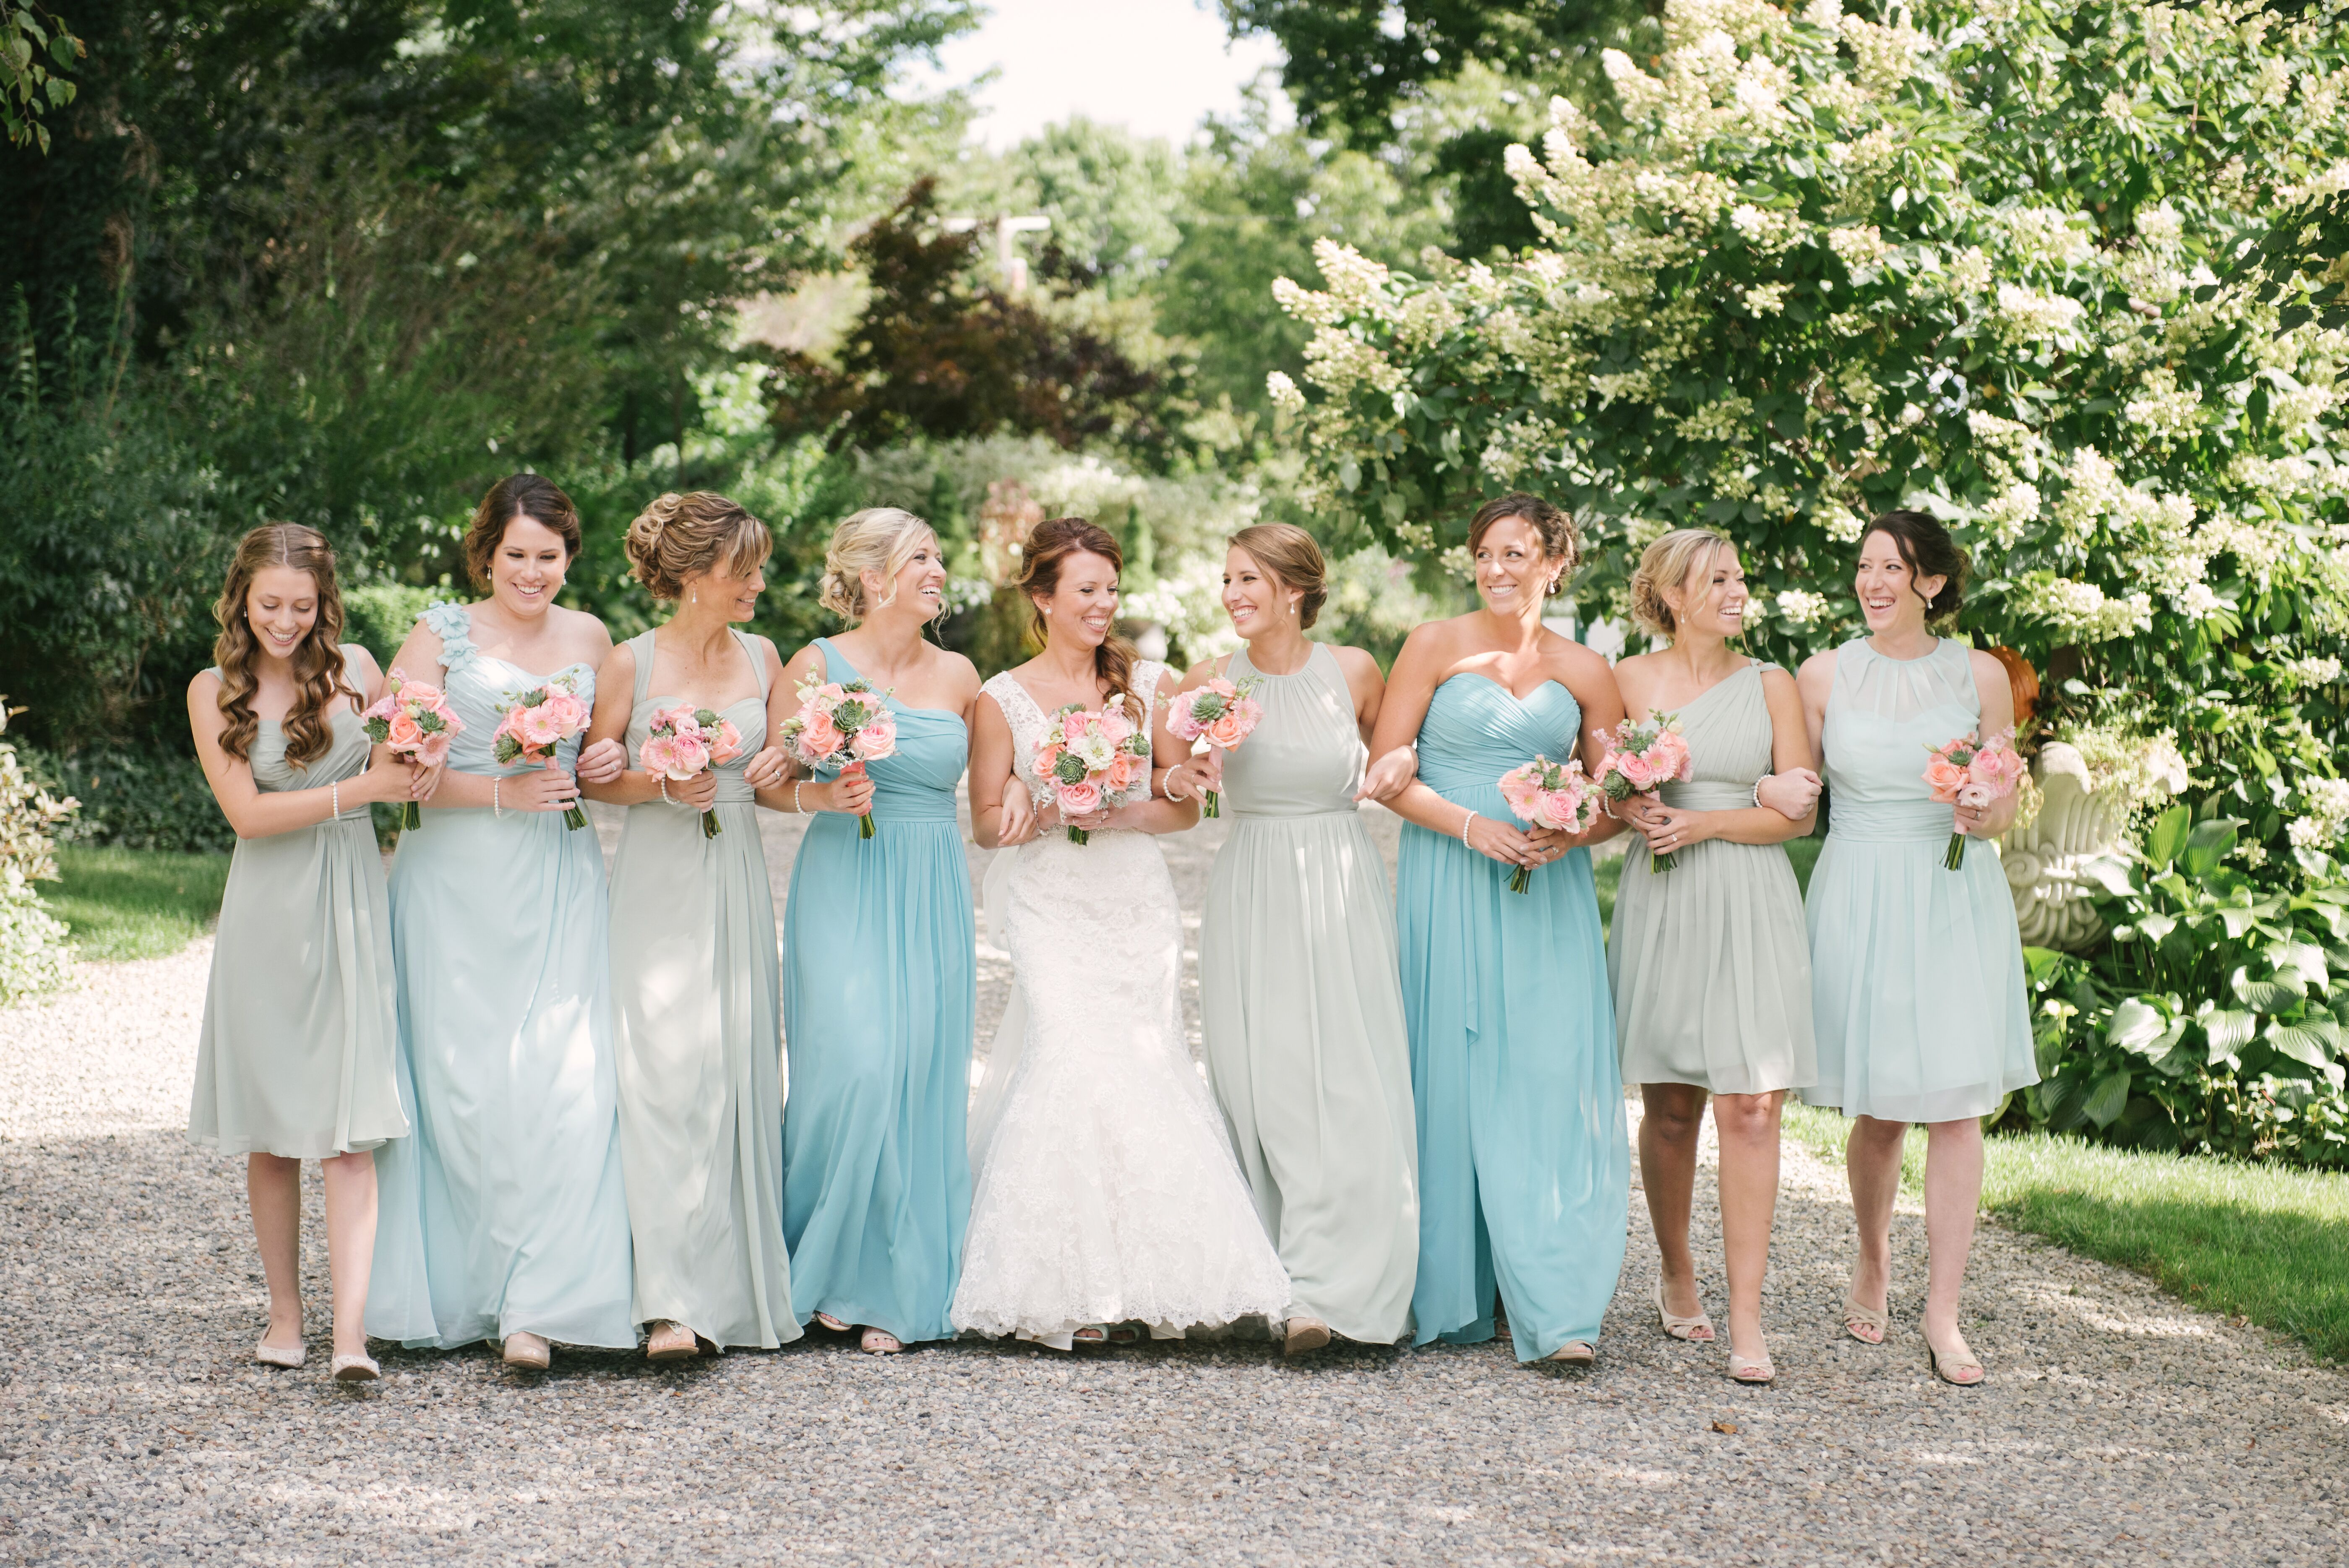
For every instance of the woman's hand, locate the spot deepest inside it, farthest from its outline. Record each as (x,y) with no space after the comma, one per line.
(767,768)
(1975,810)
(1020,820)
(602,761)
(852,792)
(1791,794)
(424,782)
(1195,776)
(1388,775)
(1499,842)
(700,791)
(388,778)
(547,788)
(1669,828)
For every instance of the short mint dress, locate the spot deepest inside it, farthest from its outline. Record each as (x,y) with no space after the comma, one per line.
(1917,984)
(1525,1168)
(880,995)
(697,1024)
(300,1030)
(504,1212)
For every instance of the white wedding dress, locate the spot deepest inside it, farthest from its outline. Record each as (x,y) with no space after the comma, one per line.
(1105,1188)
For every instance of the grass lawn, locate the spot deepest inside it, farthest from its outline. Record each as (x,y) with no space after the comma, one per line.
(2267,1241)
(135,903)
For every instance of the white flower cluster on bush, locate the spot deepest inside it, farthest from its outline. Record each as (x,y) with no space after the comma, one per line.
(33,955)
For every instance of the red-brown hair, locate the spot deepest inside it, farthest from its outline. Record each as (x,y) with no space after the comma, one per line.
(1052,541)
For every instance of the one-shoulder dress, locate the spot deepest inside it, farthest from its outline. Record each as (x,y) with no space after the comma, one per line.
(300,1022)
(694,1004)
(1711,966)
(1525,1170)
(504,1213)
(1300,1011)
(880,991)
(1916,982)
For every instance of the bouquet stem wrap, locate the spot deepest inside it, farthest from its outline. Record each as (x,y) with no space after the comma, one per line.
(1223,714)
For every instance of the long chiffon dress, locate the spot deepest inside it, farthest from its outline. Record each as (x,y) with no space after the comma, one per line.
(1301,1013)
(504,1213)
(1916,970)
(1105,1189)
(1523,1164)
(300,1023)
(1711,967)
(880,992)
(694,1001)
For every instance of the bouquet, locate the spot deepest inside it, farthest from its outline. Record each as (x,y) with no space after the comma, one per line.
(686,740)
(1642,756)
(1222,714)
(843,725)
(1965,772)
(415,721)
(537,722)
(1090,760)
(1549,795)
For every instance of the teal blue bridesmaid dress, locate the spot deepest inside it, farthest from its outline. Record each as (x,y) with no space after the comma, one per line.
(880,994)
(504,1212)
(1524,1166)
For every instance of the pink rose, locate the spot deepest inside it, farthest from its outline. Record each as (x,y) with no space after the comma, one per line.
(692,754)
(1073,727)
(819,740)
(1946,778)
(1635,769)
(876,739)
(1995,766)
(1185,724)
(405,731)
(1117,727)
(725,741)
(1081,799)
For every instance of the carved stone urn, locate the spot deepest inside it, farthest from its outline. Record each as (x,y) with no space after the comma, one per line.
(2043,861)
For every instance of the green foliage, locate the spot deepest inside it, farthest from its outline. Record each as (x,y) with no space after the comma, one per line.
(35,47)
(125,903)
(33,956)
(137,797)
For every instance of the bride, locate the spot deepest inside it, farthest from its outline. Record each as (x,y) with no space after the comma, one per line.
(1104,1192)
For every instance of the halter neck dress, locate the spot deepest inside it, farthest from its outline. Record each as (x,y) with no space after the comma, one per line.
(1917,978)
(1525,1168)
(694,1005)
(1712,972)
(1300,1011)
(504,1213)
(880,994)
(301,1023)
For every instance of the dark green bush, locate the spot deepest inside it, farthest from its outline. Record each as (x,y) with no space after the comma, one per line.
(145,798)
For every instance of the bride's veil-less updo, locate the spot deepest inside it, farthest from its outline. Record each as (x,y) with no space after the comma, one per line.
(1054,541)
(879,539)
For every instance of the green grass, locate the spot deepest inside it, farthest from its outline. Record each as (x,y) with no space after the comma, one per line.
(2268,1242)
(135,903)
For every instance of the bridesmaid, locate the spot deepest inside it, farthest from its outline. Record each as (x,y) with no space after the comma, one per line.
(300,1030)
(694,985)
(1916,970)
(1524,1179)
(1710,973)
(504,1217)
(880,987)
(1301,1013)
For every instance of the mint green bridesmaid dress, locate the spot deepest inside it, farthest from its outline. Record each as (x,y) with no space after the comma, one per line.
(880,995)
(504,1212)
(697,1032)
(1524,1170)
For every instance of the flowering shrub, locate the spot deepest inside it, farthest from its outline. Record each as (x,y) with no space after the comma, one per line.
(33,952)
(2065,273)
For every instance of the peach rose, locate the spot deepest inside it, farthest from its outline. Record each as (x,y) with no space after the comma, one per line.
(1634,767)
(819,740)
(876,739)
(1122,773)
(1945,777)
(405,732)
(1079,800)
(1227,731)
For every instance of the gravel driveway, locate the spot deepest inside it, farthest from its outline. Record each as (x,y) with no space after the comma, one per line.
(2117,1427)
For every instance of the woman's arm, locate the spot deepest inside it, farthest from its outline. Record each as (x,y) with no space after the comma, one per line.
(1590,680)
(1156,815)
(1365,685)
(849,791)
(990,775)
(1402,711)
(615,706)
(1993,687)
(257,813)
(1672,827)
(1190,774)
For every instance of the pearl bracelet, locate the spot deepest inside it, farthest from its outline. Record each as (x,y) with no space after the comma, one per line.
(497,805)
(663,779)
(1464,831)
(335,800)
(796,807)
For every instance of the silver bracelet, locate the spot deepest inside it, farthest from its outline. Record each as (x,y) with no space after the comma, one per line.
(497,805)
(1464,831)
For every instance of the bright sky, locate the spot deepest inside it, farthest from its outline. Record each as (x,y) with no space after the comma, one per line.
(1155,67)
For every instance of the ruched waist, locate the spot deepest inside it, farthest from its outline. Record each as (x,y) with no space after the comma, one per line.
(733,789)
(1889,821)
(1707,795)
(1292,816)
(912,805)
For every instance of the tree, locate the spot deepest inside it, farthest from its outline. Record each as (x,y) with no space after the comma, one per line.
(36,46)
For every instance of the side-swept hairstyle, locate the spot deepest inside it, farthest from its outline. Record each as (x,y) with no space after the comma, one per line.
(1290,557)
(1051,543)
(319,678)
(878,539)
(1666,563)
(682,536)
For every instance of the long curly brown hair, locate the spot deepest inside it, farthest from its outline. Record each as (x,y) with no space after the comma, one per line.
(318,676)
(1052,541)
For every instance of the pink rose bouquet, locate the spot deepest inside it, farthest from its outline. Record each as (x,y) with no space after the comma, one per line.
(1967,772)
(842,725)
(415,721)
(1220,713)
(1549,795)
(1644,754)
(686,741)
(537,722)
(1090,760)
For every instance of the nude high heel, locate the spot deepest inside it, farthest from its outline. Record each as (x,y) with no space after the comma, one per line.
(1857,1317)
(1302,1334)
(527,1351)
(1574,1353)
(671,1342)
(1698,1329)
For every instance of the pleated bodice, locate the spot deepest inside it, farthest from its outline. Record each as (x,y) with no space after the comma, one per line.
(916,783)
(1882,715)
(1476,730)
(1306,755)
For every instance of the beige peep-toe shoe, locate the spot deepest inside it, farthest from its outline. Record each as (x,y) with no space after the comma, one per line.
(1698,1329)
(671,1342)
(1857,1317)
(1574,1353)
(1755,1369)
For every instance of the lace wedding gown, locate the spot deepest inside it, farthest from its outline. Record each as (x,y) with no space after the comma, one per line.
(1105,1189)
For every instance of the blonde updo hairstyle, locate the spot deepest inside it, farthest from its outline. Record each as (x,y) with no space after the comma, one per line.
(1288,555)
(879,539)
(1666,564)
(682,536)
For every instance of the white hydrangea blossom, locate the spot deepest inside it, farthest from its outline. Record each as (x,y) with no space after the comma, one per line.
(2326,806)
(1839,524)
(1858,245)
(2034,317)
(1724,419)
(1766,299)
(2081,610)
(1799,608)
(2007,515)
(2311,672)
(1284,393)
(2167,409)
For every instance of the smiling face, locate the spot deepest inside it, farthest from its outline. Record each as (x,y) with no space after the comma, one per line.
(281,606)
(1511,569)
(1253,597)
(1892,597)
(1082,604)
(920,584)
(1711,602)
(734,588)
(527,571)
